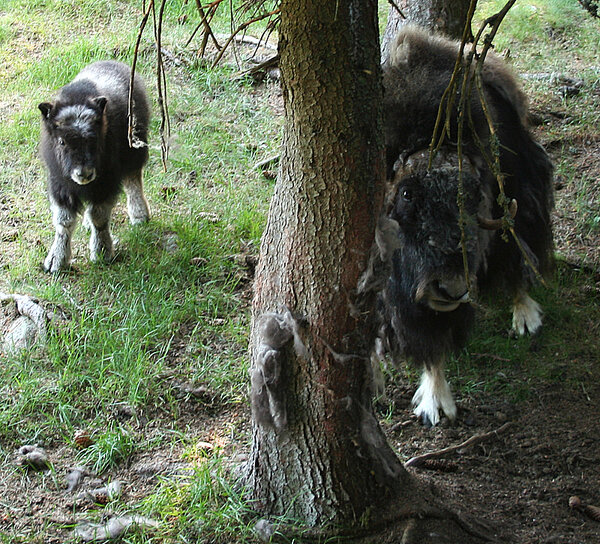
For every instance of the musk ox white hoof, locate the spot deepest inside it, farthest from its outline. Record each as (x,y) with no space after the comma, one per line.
(59,256)
(432,395)
(527,315)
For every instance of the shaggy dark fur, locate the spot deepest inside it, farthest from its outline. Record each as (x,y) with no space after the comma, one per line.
(427,306)
(84,143)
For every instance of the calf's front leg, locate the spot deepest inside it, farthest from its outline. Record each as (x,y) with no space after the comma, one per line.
(64,221)
(137,205)
(98,219)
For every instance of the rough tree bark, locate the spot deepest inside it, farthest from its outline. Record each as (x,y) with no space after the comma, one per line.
(318,454)
(445,16)
(315,248)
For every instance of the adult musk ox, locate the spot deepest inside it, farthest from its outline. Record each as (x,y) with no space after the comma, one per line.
(89,160)
(439,265)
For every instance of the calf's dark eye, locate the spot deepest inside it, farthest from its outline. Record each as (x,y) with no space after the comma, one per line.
(61,141)
(407,195)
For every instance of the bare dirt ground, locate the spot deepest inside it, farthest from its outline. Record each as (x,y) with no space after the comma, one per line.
(519,481)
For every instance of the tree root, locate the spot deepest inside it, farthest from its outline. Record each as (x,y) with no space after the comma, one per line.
(415,526)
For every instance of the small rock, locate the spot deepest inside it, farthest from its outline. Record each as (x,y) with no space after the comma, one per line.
(103,495)
(112,529)
(125,411)
(22,335)
(567,91)
(205,446)
(184,389)
(74,478)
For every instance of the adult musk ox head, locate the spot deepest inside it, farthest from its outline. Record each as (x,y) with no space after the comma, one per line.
(76,137)
(451,210)
(442,245)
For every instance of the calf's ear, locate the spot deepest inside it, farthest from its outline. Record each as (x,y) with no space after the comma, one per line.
(45,108)
(99,103)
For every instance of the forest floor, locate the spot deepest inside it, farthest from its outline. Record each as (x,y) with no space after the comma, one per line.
(519,482)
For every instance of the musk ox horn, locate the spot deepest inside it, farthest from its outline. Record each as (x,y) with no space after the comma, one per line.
(496,224)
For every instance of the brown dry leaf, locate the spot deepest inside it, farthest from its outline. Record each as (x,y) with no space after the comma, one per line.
(82,438)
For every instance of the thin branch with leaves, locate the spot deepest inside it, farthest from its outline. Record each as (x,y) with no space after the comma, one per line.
(490,150)
(161,80)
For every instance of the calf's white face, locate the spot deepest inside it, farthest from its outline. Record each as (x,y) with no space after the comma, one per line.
(77,133)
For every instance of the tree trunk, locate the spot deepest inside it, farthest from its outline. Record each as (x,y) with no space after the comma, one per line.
(445,16)
(318,454)
(321,457)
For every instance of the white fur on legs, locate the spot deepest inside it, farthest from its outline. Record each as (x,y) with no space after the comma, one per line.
(59,256)
(433,394)
(527,314)
(137,205)
(101,244)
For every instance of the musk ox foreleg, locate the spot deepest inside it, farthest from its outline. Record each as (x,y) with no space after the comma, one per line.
(98,219)
(434,393)
(137,205)
(527,314)
(64,221)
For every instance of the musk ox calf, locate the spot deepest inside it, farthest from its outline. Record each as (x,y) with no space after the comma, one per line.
(439,264)
(89,160)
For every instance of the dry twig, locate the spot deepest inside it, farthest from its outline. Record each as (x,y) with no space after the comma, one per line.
(477,439)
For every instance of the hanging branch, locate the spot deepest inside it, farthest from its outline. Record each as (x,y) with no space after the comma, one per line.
(448,97)
(494,23)
(133,140)
(206,12)
(161,81)
(242,27)
(205,22)
(442,127)
(395,6)
(254,12)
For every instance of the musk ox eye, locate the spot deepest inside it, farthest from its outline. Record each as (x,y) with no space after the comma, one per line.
(61,142)
(407,195)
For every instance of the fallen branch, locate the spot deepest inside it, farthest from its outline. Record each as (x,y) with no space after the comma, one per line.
(248,40)
(478,438)
(401,425)
(270,64)
(266,163)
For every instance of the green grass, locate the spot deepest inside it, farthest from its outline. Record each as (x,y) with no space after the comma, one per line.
(172,307)
(193,507)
